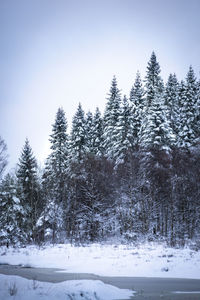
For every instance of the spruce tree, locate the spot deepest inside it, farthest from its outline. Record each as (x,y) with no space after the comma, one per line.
(78,136)
(137,92)
(94,133)
(153,81)
(156,131)
(55,180)
(111,118)
(50,224)
(157,141)
(3,156)
(78,154)
(126,132)
(28,191)
(182,136)
(198,115)
(98,133)
(57,162)
(171,102)
(188,101)
(89,133)
(137,107)
(192,100)
(12,213)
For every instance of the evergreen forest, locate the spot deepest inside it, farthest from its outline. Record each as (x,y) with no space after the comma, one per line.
(127,174)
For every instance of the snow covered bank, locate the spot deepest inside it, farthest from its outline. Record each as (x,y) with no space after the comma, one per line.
(14,287)
(109,260)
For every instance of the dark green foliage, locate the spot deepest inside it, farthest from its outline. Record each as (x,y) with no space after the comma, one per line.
(28,190)
(126,137)
(156,131)
(12,213)
(110,120)
(51,220)
(171,101)
(133,173)
(3,156)
(78,146)
(153,81)
(55,171)
(89,133)
(98,134)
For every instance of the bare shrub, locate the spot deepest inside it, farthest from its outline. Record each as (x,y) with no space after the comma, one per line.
(35,283)
(12,289)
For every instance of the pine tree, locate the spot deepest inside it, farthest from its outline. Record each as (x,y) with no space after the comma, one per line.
(94,133)
(89,133)
(156,131)
(157,141)
(153,81)
(59,140)
(171,101)
(126,132)
(78,154)
(50,225)
(55,180)
(3,156)
(78,136)
(111,118)
(137,101)
(98,133)
(28,191)
(57,162)
(12,213)
(192,100)
(188,101)
(137,92)
(182,129)
(198,115)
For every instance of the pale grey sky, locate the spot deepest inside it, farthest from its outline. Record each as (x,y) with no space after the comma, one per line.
(60,52)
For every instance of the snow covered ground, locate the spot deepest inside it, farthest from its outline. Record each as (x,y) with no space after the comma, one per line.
(147,260)
(17,288)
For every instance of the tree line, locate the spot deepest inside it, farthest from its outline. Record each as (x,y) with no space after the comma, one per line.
(130,173)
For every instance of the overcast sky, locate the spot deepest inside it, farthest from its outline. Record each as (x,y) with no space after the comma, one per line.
(61,52)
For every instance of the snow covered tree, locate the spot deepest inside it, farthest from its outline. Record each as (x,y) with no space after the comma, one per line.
(181,134)
(98,133)
(78,136)
(57,162)
(126,132)
(156,131)
(12,213)
(157,140)
(28,188)
(137,92)
(55,180)
(198,115)
(59,142)
(89,132)
(135,171)
(50,225)
(192,100)
(137,101)
(110,120)
(153,81)
(3,156)
(172,102)
(78,154)
(94,133)
(188,102)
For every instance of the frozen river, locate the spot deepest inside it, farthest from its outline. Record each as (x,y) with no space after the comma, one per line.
(146,288)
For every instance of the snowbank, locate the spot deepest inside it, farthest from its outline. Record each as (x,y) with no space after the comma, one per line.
(109,260)
(14,287)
